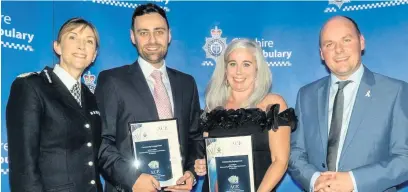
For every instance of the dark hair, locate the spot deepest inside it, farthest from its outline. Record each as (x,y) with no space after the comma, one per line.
(73,23)
(146,9)
(348,18)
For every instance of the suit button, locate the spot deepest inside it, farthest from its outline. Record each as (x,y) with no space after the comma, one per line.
(92,182)
(323,165)
(87,126)
(90,163)
(89,144)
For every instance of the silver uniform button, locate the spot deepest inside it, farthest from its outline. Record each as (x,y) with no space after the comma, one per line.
(90,163)
(87,126)
(92,182)
(89,144)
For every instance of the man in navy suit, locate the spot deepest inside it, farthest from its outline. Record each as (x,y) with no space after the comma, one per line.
(146,90)
(353,124)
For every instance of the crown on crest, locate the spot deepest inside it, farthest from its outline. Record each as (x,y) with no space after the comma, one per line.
(89,78)
(216,32)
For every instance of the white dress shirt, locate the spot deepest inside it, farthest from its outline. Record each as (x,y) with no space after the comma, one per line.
(350,93)
(147,70)
(66,78)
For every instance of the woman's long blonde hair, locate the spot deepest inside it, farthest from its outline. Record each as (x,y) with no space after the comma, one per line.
(218,91)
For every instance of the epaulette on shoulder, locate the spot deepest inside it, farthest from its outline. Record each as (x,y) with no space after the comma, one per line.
(28,74)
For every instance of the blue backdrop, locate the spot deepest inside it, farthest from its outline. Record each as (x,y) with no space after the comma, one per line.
(287,31)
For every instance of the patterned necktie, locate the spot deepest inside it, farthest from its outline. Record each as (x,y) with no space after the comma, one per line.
(161,98)
(76,92)
(335,127)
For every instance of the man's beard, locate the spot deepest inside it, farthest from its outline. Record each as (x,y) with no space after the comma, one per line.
(153,58)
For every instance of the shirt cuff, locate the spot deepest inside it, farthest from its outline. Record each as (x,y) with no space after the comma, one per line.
(354,181)
(313,180)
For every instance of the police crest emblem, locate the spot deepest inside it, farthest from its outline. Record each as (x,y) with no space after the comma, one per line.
(89,79)
(338,3)
(214,45)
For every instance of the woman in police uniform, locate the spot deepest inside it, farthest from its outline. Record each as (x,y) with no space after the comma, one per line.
(53,123)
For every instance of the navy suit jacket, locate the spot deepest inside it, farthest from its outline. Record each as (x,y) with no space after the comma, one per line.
(123,97)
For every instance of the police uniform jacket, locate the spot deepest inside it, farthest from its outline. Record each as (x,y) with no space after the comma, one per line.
(53,141)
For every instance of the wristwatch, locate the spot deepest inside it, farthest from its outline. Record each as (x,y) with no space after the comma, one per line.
(194,181)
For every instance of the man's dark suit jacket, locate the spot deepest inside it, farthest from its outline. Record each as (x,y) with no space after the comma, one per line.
(123,97)
(52,139)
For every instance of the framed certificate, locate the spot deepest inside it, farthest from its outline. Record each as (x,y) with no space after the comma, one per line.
(156,150)
(230,164)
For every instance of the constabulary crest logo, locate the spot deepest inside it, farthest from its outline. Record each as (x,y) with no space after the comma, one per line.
(233,179)
(153,165)
(338,3)
(89,79)
(214,45)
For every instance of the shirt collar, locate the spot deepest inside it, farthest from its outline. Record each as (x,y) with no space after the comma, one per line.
(355,77)
(65,77)
(148,68)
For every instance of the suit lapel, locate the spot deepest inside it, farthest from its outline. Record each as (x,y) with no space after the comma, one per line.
(322,105)
(140,84)
(176,92)
(361,105)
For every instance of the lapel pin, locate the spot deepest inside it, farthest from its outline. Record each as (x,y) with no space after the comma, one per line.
(368,94)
